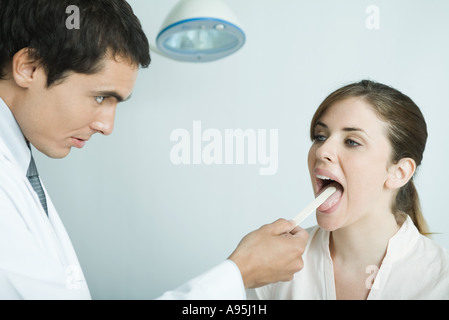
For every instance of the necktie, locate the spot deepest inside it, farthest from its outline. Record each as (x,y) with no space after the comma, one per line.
(33,177)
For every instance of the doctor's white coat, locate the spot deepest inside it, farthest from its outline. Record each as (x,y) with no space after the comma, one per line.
(37,259)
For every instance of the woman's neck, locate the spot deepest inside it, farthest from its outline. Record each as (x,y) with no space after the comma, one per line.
(363,243)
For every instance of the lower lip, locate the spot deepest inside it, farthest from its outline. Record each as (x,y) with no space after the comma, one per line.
(77,143)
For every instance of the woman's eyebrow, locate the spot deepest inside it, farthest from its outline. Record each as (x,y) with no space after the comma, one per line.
(350,129)
(346,129)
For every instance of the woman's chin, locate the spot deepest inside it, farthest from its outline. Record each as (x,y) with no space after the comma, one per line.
(328,226)
(329,222)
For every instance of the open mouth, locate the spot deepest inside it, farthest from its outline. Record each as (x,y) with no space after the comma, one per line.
(322,183)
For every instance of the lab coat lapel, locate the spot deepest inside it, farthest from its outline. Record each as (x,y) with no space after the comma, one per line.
(65,250)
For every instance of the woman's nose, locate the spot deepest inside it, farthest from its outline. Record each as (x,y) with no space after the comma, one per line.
(326,151)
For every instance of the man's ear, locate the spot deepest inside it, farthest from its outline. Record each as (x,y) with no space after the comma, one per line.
(400,173)
(23,67)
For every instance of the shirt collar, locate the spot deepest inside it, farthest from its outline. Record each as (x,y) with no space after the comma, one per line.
(14,147)
(402,242)
(398,246)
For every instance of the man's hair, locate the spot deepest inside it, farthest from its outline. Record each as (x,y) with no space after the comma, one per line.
(106,27)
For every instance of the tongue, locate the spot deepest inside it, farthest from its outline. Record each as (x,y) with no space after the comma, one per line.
(333,199)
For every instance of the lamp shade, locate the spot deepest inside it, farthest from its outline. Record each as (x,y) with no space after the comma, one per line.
(200,31)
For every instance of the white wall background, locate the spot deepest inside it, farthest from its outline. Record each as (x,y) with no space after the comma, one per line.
(142,225)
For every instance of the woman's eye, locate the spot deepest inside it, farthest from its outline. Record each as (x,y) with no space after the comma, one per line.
(319,138)
(352,143)
(99,99)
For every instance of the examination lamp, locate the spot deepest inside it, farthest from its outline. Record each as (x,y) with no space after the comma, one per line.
(200,31)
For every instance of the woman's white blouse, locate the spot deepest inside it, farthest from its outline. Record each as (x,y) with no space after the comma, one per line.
(414,267)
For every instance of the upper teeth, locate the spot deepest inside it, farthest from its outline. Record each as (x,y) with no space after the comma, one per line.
(323,177)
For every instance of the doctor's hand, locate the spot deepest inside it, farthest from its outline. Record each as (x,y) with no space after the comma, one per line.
(270,254)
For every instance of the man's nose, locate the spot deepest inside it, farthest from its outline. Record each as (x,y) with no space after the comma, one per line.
(104,122)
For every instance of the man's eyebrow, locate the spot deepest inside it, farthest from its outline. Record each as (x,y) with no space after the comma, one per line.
(114,94)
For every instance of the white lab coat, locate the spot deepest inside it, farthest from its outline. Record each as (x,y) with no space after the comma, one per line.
(414,268)
(37,259)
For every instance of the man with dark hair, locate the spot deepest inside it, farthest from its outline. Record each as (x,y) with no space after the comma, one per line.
(58,87)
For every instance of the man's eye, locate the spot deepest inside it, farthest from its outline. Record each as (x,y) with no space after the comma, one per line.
(99,99)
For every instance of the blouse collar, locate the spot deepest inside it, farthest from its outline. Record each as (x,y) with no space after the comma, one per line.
(398,246)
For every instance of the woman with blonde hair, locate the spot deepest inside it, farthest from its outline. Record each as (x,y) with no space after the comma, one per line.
(371,240)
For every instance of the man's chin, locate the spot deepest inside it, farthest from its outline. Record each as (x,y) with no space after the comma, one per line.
(60,154)
(55,153)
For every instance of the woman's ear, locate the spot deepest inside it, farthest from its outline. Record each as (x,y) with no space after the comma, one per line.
(23,67)
(400,173)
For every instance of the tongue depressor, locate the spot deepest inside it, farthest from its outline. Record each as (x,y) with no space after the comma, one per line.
(314,205)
